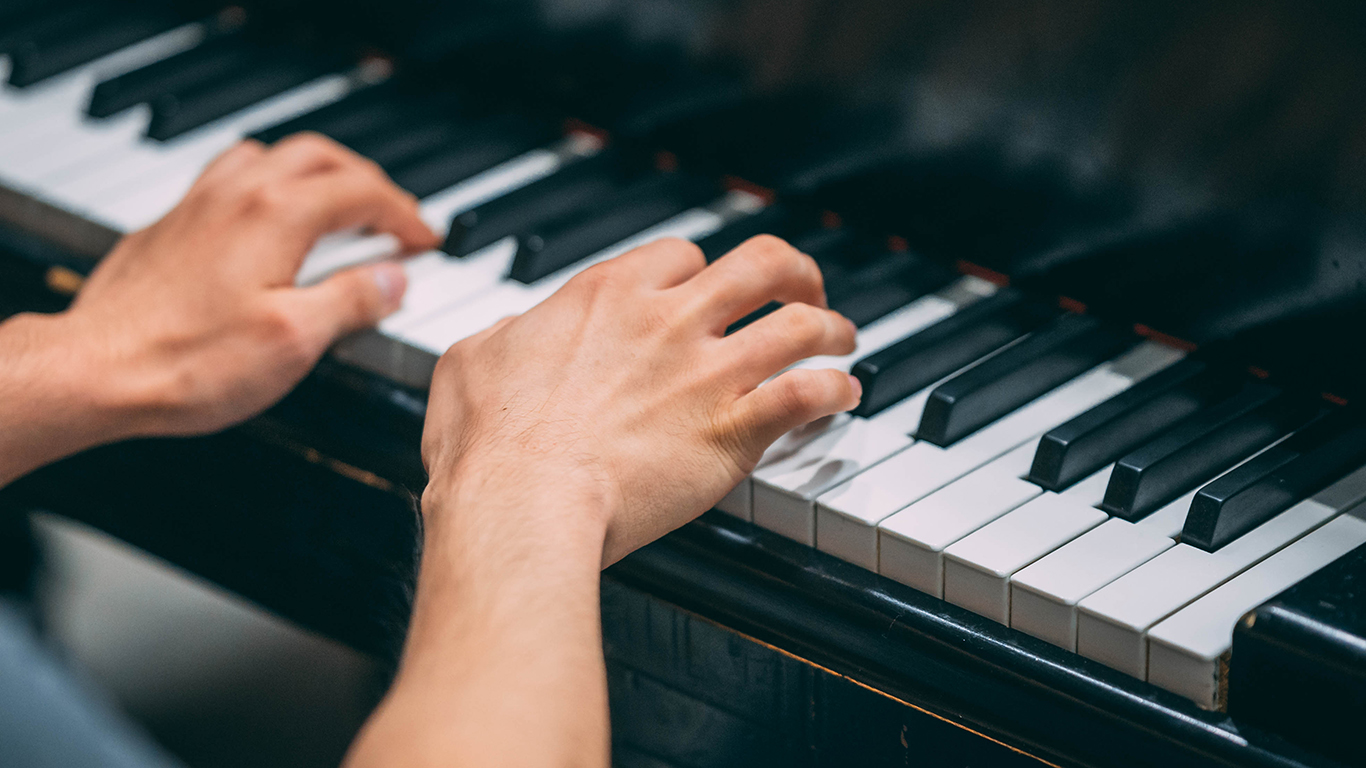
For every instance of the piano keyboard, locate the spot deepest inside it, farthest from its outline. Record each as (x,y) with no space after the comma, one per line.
(1108,494)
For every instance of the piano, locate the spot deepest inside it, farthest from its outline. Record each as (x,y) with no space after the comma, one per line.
(1101,503)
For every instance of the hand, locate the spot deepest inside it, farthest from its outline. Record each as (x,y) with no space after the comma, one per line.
(194,323)
(621,394)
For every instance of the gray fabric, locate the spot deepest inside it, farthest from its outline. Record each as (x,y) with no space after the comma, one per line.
(50,720)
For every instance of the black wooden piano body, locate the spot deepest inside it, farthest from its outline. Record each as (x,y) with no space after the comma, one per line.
(1194,170)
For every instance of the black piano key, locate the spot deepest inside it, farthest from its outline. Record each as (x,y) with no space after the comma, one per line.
(1074,450)
(577,186)
(47,21)
(772,220)
(177,113)
(919,360)
(1061,350)
(60,52)
(398,144)
(473,151)
(1200,447)
(639,206)
(885,285)
(364,111)
(1285,474)
(208,61)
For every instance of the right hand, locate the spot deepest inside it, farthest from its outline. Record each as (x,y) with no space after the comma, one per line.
(621,395)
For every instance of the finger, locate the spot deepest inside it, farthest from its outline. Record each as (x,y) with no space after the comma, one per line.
(793,332)
(356,197)
(349,301)
(759,270)
(239,157)
(797,397)
(308,153)
(664,263)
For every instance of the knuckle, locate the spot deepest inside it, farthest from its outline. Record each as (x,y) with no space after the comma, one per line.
(683,249)
(804,324)
(770,254)
(597,278)
(281,330)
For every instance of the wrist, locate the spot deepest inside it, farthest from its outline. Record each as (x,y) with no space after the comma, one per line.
(56,398)
(520,505)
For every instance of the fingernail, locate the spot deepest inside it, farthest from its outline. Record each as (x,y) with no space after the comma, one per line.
(857,385)
(392,283)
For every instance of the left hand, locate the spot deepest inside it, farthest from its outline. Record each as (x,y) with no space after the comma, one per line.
(194,323)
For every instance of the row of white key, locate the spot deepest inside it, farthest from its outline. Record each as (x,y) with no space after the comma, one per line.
(992,542)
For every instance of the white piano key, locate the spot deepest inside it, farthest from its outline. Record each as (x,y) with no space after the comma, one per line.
(1044,595)
(72,89)
(43,127)
(908,546)
(163,171)
(977,568)
(899,324)
(1187,651)
(1113,622)
(509,297)
(736,502)
(438,209)
(788,479)
(95,139)
(435,280)
(918,471)
(438,282)
(785,491)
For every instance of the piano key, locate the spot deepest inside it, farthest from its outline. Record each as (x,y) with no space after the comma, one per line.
(908,546)
(479,149)
(405,140)
(363,112)
(1201,446)
(918,471)
(45,132)
(1113,622)
(1052,355)
(183,111)
(212,60)
(1116,426)
(574,187)
(978,567)
(48,22)
(1298,467)
(1044,595)
(165,172)
(1187,652)
(893,327)
(775,219)
(917,361)
(437,283)
(889,282)
(552,247)
(57,53)
(437,333)
(825,453)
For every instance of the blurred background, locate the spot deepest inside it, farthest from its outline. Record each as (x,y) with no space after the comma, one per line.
(217,681)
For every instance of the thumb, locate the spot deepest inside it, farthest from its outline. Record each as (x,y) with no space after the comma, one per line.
(352,300)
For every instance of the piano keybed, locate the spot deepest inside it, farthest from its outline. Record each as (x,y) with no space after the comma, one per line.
(1101,491)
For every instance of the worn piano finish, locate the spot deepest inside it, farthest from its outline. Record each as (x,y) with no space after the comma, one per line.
(1191,168)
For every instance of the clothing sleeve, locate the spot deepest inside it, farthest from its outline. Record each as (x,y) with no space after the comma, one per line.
(50,719)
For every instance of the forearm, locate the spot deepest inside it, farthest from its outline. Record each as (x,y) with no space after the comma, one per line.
(55,399)
(503,665)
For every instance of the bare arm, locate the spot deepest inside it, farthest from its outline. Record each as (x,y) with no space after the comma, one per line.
(194,323)
(558,442)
